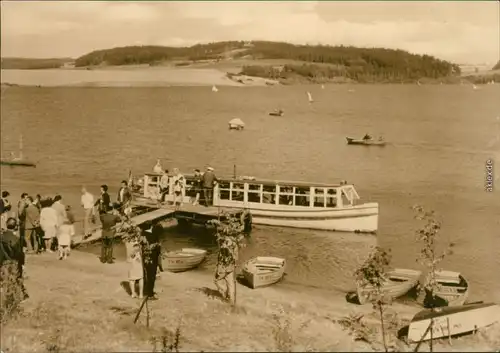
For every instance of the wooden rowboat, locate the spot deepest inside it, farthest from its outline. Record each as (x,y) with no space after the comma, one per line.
(353,141)
(452,289)
(184,259)
(400,281)
(450,321)
(263,271)
(17,163)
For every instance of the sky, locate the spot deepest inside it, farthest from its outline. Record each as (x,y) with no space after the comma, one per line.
(462,32)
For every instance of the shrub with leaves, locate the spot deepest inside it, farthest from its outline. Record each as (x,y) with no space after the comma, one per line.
(430,257)
(11,289)
(372,276)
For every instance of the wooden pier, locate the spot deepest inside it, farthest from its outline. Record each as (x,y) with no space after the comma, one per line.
(148,211)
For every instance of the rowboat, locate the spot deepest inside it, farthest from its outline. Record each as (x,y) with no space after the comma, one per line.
(263,271)
(277,112)
(353,141)
(17,162)
(184,259)
(297,204)
(452,289)
(399,282)
(450,321)
(236,124)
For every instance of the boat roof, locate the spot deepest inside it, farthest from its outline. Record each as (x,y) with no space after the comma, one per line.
(448,310)
(268,181)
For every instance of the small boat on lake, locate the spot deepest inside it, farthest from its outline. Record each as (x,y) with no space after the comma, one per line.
(17,161)
(184,259)
(450,321)
(215,89)
(365,142)
(297,204)
(263,271)
(277,112)
(399,282)
(236,124)
(309,97)
(452,289)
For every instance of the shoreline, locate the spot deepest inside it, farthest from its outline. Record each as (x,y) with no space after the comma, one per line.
(79,298)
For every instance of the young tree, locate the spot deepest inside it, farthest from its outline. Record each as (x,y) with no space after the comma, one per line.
(372,275)
(430,258)
(230,235)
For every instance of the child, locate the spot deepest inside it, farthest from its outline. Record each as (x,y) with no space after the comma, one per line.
(71,219)
(136,273)
(64,239)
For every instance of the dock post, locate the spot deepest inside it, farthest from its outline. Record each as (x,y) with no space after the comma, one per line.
(234,171)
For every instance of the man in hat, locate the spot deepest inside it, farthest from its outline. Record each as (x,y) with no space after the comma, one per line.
(152,232)
(209,180)
(198,186)
(108,220)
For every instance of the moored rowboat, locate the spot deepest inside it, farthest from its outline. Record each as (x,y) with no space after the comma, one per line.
(184,259)
(352,141)
(399,282)
(263,271)
(18,163)
(450,321)
(452,289)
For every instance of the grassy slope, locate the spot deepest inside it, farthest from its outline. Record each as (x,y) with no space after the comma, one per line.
(33,64)
(79,306)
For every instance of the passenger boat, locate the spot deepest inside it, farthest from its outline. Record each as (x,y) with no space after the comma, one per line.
(399,282)
(184,259)
(332,207)
(263,271)
(352,141)
(452,289)
(450,321)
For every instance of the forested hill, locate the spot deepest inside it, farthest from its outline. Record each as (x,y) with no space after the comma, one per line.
(312,62)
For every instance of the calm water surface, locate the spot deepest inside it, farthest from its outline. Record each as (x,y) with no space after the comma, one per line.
(440,138)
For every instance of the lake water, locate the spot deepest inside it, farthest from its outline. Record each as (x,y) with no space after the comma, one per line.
(440,138)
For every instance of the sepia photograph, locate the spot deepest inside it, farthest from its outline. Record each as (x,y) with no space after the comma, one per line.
(250,176)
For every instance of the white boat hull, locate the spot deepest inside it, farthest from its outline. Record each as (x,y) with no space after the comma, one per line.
(453,321)
(361,218)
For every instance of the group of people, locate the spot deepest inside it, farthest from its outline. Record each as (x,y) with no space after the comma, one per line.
(42,224)
(203,185)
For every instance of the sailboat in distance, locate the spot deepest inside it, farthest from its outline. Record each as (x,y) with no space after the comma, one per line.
(309,97)
(17,161)
(214,89)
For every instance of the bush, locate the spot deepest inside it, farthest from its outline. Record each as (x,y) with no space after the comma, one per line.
(11,293)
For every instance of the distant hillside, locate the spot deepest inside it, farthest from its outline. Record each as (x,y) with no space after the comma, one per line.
(33,64)
(317,63)
(497,66)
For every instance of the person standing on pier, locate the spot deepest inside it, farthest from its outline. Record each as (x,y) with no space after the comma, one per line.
(209,181)
(164,185)
(87,202)
(198,186)
(124,196)
(104,202)
(108,220)
(179,183)
(158,168)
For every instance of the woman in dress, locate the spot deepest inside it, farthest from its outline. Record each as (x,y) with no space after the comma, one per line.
(49,222)
(136,272)
(64,239)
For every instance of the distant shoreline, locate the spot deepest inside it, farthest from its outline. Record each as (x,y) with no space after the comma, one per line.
(190,76)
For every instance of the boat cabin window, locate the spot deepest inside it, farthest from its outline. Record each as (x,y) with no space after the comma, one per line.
(269,194)
(254,193)
(331,198)
(224,187)
(301,196)
(237,192)
(286,195)
(319,197)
